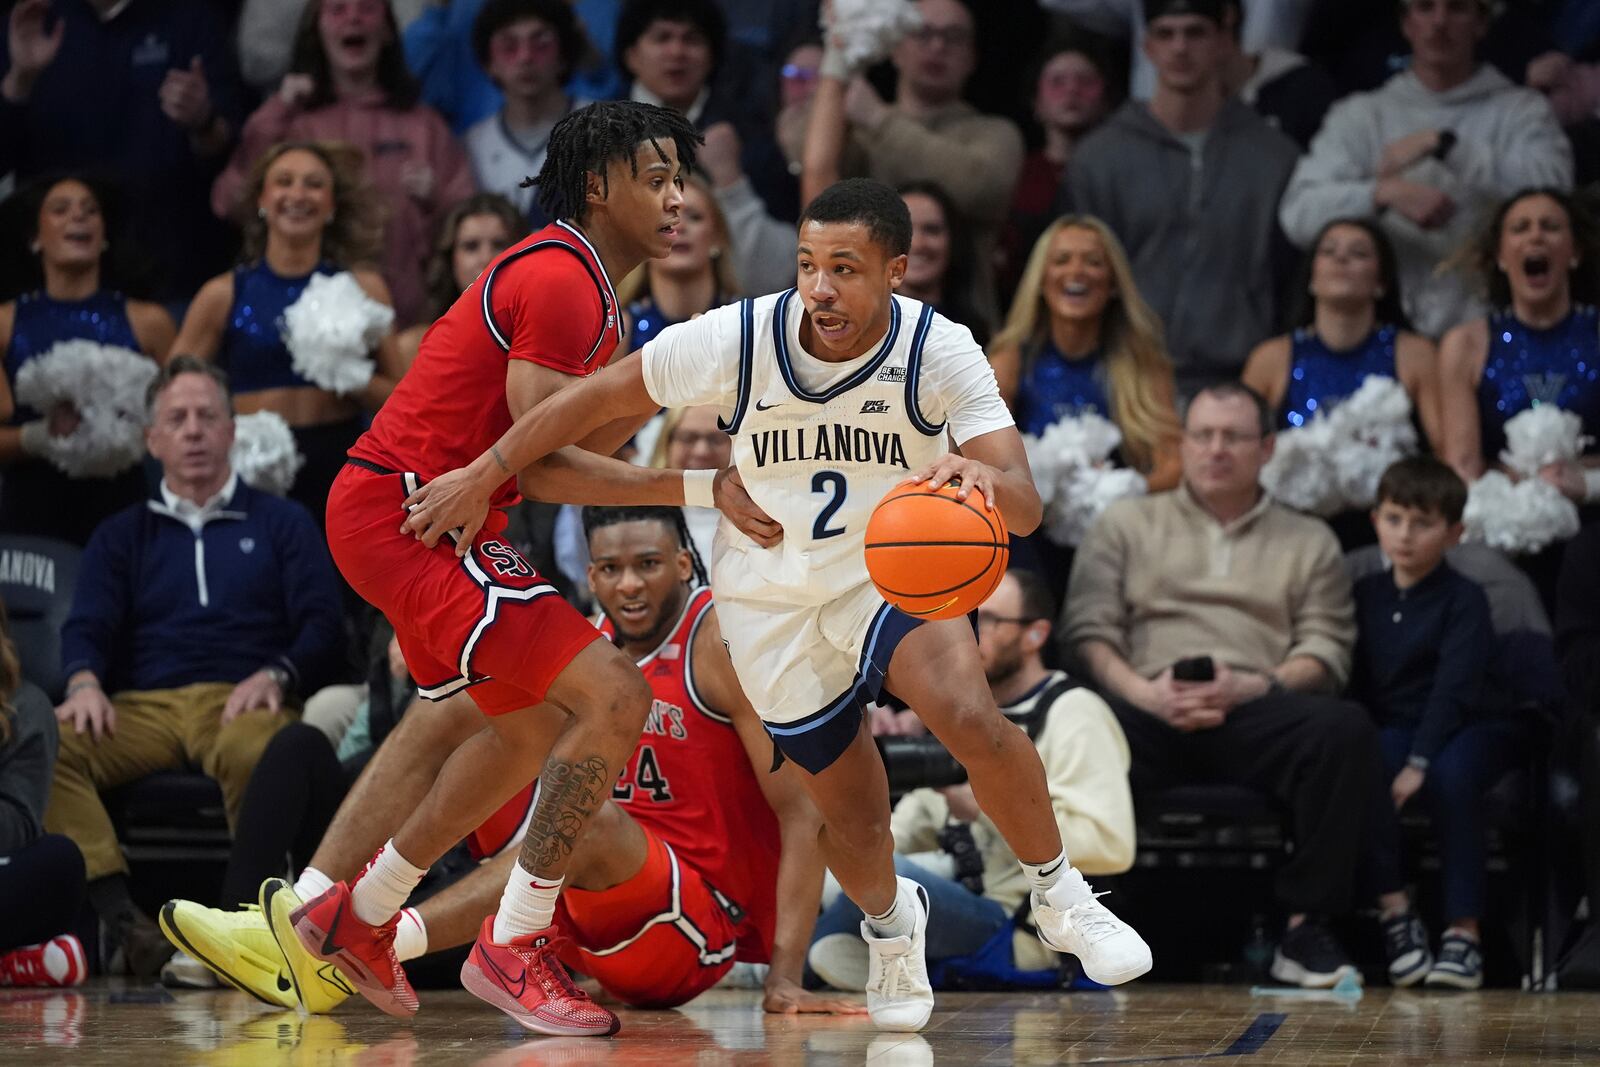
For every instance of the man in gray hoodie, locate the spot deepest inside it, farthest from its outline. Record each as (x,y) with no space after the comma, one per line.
(1431,152)
(1190,183)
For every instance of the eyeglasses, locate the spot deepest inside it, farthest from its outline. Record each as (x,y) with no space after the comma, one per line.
(989,619)
(1228,438)
(954,36)
(796,73)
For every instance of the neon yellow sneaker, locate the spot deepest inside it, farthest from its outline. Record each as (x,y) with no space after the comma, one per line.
(320,986)
(236,946)
(286,1040)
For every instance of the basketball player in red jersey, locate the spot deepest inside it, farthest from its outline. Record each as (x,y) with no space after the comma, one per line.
(476,616)
(702,858)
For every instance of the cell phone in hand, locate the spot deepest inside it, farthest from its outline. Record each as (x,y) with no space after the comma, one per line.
(1194,669)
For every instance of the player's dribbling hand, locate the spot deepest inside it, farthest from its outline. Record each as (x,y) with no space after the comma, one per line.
(453,501)
(733,501)
(953,468)
(783,997)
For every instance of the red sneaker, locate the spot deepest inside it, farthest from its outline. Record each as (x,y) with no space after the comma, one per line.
(328,928)
(525,980)
(57,962)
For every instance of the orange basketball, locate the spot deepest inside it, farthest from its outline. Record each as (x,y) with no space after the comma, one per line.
(934,556)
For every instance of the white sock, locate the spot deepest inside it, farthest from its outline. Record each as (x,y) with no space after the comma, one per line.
(410,935)
(899,921)
(1044,875)
(384,886)
(527,906)
(311,883)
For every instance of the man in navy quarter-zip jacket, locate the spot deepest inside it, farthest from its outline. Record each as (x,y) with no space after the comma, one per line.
(198,617)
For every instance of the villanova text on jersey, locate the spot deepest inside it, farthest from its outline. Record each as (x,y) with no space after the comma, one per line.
(828,443)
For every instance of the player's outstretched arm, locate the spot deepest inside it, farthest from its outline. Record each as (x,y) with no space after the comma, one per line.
(556,412)
(995,465)
(800,863)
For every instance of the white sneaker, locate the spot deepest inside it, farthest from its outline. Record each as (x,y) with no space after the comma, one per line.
(899,996)
(745,976)
(1070,919)
(841,960)
(183,971)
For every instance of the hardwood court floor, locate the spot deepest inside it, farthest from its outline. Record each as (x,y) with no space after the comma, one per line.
(113,1023)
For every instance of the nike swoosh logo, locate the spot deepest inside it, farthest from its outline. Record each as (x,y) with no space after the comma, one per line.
(764,407)
(332,976)
(505,979)
(328,947)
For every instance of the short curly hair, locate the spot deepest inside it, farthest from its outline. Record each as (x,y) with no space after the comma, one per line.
(496,15)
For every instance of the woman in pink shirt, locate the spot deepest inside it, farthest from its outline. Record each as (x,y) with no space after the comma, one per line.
(348,82)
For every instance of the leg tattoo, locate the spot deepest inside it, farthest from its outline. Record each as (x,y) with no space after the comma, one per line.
(568,794)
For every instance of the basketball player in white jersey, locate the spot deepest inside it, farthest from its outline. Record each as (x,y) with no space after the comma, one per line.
(835,392)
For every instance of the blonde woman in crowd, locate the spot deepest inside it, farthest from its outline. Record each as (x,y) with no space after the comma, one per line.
(1080,339)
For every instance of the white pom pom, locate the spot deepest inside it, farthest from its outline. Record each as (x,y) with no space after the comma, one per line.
(864,31)
(1540,436)
(1518,517)
(1334,462)
(264,452)
(106,385)
(1301,472)
(331,331)
(1076,483)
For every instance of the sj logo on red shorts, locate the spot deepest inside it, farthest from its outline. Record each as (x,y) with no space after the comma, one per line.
(506,561)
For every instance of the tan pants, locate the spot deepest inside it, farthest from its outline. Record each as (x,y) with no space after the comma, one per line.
(156,730)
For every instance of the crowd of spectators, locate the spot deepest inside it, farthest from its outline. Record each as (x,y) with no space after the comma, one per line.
(1138,210)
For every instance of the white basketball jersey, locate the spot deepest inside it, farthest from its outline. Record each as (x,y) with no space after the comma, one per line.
(819,462)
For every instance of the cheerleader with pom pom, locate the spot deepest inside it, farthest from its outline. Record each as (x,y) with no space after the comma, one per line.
(69,235)
(1540,348)
(1543,345)
(302,327)
(1349,326)
(1081,340)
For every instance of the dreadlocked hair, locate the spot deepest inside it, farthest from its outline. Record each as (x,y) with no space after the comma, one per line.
(595,518)
(591,137)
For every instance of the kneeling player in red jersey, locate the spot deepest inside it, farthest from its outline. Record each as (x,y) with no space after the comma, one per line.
(474,616)
(702,857)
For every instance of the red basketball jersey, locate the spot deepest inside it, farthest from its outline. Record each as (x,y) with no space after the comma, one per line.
(546,299)
(690,781)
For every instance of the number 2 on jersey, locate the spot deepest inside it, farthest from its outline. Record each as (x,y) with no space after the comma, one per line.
(824,482)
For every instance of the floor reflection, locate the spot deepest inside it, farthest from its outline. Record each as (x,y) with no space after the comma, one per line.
(142,1026)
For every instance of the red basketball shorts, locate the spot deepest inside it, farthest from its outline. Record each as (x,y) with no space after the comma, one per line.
(487,620)
(658,940)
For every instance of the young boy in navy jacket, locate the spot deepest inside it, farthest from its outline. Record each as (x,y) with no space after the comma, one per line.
(1425,642)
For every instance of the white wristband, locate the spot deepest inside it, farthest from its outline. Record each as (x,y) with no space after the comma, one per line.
(1591,484)
(697,489)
